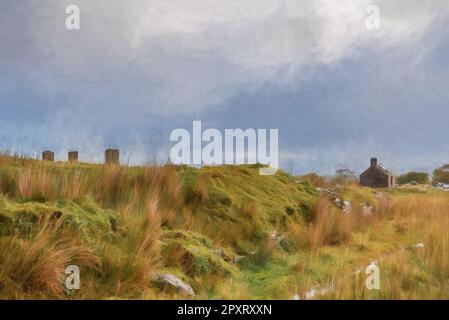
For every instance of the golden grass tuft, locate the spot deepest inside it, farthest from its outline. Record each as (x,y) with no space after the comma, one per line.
(129,266)
(330,226)
(36,264)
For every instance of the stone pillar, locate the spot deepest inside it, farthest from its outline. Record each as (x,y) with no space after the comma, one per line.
(73,156)
(48,156)
(112,156)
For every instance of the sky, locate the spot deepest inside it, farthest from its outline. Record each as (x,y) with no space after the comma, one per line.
(337,91)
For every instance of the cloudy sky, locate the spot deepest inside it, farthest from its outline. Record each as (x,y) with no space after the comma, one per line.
(338,92)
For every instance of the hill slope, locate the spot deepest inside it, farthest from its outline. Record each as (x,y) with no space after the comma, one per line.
(217,232)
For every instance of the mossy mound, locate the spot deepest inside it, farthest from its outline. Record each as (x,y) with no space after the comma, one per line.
(196,254)
(237,200)
(86,218)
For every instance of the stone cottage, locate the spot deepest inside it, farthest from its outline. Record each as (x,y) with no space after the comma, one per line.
(377,177)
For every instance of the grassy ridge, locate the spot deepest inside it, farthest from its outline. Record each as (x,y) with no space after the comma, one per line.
(226,231)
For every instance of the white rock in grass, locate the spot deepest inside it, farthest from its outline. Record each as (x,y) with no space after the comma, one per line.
(310,294)
(367,210)
(347,206)
(378,194)
(441,186)
(169,280)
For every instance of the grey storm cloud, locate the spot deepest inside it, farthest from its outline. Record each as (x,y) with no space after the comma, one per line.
(188,55)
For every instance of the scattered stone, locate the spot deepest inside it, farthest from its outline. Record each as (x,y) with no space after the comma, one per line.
(169,280)
(330,192)
(310,294)
(378,194)
(238,258)
(222,254)
(367,210)
(332,195)
(277,238)
(347,206)
(441,186)
(218,252)
(280,239)
(318,290)
(420,245)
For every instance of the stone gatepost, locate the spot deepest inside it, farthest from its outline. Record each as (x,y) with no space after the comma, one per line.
(112,156)
(48,156)
(73,156)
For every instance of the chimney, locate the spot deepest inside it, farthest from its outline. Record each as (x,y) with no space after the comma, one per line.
(48,156)
(73,156)
(112,156)
(373,162)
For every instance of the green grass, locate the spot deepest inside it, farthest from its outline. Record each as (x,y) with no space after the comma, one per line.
(226,231)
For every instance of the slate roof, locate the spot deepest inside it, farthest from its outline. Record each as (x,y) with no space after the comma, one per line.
(382,169)
(386,171)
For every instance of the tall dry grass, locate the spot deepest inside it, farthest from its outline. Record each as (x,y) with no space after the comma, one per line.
(34,265)
(111,186)
(329,226)
(151,198)
(417,270)
(128,265)
(36,184)
(146,198)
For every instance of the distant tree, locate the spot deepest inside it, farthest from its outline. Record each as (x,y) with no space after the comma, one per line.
(344,176)
(418,177)
(441,174)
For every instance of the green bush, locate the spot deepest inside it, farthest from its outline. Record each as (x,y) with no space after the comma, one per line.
(418,177)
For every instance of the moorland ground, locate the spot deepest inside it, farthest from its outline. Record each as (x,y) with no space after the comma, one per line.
(226,232)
